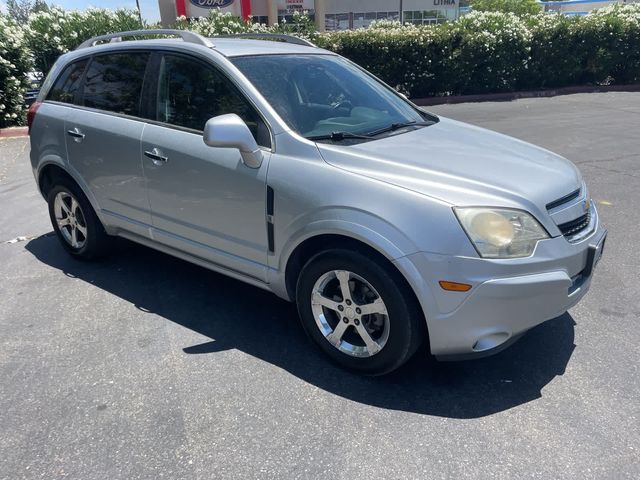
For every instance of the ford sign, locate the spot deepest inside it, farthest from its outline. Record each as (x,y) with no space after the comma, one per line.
(212,3)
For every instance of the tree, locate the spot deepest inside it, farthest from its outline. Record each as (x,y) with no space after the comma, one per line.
(20,10)
(519,7)
(39,6)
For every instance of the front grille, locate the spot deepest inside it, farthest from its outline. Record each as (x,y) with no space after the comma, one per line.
(563,200)
(573,227)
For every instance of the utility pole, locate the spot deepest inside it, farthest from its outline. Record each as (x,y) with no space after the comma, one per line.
(139,12)
(320,10)
(401,13)
(272,12)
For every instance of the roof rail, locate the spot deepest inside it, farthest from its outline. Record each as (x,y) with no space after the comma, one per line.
(271,36)
(187,36)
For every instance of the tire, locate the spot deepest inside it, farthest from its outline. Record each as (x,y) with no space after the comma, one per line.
(75,222)
(339,325)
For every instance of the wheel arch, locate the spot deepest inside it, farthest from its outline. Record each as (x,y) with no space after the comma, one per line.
(317,243)
(50,171)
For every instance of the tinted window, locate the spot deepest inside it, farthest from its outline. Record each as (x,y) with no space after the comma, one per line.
(114,82)
(68,83)
(191,92)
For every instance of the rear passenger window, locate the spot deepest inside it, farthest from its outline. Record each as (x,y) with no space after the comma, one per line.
(191,92)
(114,82)
(68,83)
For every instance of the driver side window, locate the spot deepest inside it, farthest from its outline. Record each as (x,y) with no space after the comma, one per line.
(190,92)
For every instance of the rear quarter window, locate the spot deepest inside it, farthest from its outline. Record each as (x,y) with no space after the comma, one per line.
(68,82)
(114,82)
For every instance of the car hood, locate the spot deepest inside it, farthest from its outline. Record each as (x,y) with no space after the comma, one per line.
(461,164)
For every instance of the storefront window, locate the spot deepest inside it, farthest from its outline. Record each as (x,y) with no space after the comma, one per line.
(260,19)
(344,21)
(427,17)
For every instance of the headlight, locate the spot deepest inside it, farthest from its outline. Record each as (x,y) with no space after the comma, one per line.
(500,232)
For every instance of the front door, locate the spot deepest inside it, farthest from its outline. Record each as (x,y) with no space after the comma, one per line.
(204,200)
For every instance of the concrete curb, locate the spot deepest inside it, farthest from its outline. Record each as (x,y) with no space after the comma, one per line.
(14,132)
(510,96)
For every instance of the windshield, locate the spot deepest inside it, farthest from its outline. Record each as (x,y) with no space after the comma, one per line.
(319,95)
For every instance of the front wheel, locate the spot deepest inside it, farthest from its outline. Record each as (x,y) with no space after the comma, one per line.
(359,311)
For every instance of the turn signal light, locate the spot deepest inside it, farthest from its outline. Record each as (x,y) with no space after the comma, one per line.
(454,286)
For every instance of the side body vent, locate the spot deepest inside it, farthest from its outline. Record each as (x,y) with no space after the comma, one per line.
(270,212)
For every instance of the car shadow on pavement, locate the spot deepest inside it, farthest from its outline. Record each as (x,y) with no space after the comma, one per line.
(237,316)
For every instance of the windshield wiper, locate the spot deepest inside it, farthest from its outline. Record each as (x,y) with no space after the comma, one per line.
(338,136)
(397,126)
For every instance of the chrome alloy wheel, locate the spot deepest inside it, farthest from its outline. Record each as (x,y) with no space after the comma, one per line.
(70,219)
(350,313)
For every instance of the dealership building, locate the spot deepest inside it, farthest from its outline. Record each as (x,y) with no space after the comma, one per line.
(328,14)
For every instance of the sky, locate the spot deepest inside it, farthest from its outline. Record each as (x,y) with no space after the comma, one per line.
(150,11)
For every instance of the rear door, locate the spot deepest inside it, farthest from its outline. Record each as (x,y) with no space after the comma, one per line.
(204,200)
(103,137)
(48,138)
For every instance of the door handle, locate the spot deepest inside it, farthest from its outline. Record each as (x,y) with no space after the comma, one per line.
(77,135)
(156,156)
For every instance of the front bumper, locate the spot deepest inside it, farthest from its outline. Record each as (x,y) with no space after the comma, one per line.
(507,298)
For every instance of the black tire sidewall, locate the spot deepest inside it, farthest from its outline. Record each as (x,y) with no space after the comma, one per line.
(94,246)
(404,326)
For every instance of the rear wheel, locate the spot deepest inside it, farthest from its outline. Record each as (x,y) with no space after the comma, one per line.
(76,224)
(359,312)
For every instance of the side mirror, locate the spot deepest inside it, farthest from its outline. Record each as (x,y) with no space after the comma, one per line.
(230,131)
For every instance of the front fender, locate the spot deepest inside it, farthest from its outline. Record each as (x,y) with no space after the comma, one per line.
(372,231)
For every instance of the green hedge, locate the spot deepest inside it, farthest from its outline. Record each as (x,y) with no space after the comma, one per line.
(480,53)
(496,52)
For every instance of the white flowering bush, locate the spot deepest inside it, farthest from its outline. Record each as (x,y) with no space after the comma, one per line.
(492,52)
(15,62)
(482,52)
(219,23)
(225,23)
(56,31)
(611,44)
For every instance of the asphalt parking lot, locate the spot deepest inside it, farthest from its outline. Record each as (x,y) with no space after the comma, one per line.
(143,366)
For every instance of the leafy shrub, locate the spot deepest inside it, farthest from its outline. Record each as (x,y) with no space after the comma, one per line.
(482,52)
(519,7)
(15,62)
(611,45)
(492,52)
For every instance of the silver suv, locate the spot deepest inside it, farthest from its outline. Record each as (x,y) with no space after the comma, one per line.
(291,168)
